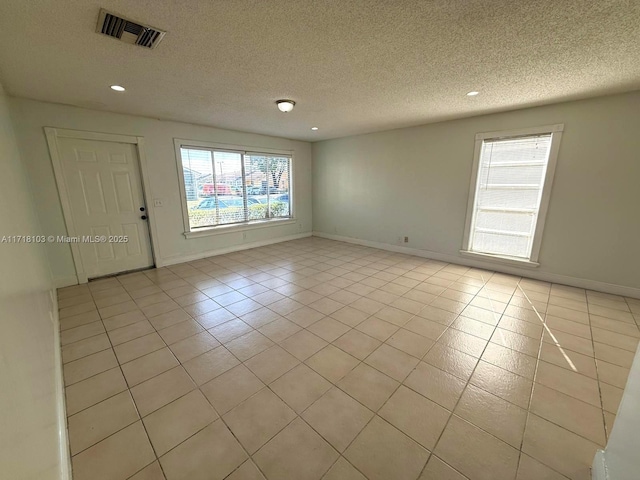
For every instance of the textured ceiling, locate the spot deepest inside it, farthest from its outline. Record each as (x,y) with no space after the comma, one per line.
(353,66)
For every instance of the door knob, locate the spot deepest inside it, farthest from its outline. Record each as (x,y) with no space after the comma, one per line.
(143,217)
(142,209)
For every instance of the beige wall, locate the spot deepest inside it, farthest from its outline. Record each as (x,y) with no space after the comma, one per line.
(31,394)
(31,116)
(415,182)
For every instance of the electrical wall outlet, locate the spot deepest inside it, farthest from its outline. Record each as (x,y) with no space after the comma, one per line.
(158,202)
(406,239)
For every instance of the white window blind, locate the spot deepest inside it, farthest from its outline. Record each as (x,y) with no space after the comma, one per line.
(224,187)
(511,178)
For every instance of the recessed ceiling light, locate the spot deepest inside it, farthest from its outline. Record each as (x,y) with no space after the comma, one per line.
(472,94)
(285,105)
(117,88)
(314,128)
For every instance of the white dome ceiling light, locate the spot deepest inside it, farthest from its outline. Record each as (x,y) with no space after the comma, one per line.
(472,93)
(117,88)
(285,105)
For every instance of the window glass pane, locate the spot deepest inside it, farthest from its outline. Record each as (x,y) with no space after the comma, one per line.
(255,170)
(509,189)
(213,187)
(279,199)
(268,186)
(228,187)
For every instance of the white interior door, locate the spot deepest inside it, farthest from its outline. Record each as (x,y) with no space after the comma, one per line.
(105,194)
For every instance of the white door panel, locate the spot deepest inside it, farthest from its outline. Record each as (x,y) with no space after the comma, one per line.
(105,193)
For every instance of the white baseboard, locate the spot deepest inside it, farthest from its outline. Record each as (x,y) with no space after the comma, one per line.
(165,262)
(61,408)
(469,262)
(599,467)
(60,282)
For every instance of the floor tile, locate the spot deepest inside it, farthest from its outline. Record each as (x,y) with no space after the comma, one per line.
(392,362)
(87,346)
(377,328)
(80,333)
(350,316)
(93,390)
(382,452)
(178,420)
(531,469)
(248,345)
(150,472)
(568,360)
(337,417)
(139,347)
(296,453)
(558,448)
(368,386)
(611,397)
(568,412)
(271,364)
(411,343)
(130,446)
(416,416)
(506,385)
(303,344)
(300,387)
(232,387)
(425,327)
(180,331)
(475,453)
(435,384)
(101,420)
(210,454)
(514,362)
(246,471)
(329,329)
(357,344)
(89,366)
(493,414)
(192,346)
(209,365)
(569,382)
(332,363)
(148,366)
(343,470)
(130,332)
(451,361)
(258,419)
(159,391)
(279,329)
(436,469)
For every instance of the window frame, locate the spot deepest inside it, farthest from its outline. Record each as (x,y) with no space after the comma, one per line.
(180,143)
(556,136)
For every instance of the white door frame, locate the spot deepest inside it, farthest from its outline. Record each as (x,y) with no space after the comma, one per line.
(53,134)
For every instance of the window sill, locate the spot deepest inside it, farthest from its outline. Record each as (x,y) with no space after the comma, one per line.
(500,259)
(239,227)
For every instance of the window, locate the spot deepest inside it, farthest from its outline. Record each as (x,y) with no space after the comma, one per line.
(232,187)
(510,190)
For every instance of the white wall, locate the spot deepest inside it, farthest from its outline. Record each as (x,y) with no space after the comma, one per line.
(31,116)
(415,182)
(30,392)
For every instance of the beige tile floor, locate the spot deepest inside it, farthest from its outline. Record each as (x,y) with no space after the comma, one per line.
(319,359)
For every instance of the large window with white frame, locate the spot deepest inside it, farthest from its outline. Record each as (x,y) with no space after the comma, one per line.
(510,190)
(228,186)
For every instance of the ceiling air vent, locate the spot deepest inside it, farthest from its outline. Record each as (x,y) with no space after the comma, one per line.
(128,31)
